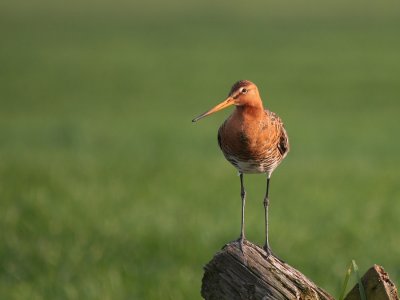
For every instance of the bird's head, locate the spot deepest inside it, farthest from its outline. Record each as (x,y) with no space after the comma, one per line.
(243,93)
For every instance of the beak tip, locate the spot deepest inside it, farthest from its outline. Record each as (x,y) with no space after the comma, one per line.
(226,103)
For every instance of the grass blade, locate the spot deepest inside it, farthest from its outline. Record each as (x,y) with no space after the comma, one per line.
(360,285)
(346,281)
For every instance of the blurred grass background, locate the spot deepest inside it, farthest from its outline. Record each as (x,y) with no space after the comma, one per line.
(109,192)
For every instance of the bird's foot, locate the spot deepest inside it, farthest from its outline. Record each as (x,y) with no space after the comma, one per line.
(240,241)
(267,249)
(269,252)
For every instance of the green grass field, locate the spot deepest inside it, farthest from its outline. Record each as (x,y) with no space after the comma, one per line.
(108,191)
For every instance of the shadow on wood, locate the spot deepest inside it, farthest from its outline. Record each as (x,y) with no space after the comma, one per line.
(230,275)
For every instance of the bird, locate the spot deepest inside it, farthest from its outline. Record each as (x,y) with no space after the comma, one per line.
(253,139)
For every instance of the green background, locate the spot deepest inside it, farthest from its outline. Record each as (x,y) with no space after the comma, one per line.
(108,191)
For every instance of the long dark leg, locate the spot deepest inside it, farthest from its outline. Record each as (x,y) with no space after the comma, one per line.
(243,195)
(266,204)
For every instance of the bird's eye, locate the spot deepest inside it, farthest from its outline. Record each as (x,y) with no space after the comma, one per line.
(243,90)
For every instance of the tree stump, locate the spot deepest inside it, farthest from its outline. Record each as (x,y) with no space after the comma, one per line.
(230,275)
(377,286)
(255,275)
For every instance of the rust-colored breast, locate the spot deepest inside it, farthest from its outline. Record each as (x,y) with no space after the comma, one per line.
(253,143)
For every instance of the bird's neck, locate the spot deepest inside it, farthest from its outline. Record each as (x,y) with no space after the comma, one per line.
(251,111)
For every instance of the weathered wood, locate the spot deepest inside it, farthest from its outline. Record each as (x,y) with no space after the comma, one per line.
(377,286)
(254,275)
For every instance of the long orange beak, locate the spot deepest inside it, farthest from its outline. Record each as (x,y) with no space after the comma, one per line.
(228,102)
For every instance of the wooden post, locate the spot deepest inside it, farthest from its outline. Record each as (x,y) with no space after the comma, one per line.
(230,275)
(377,286)
(254,275)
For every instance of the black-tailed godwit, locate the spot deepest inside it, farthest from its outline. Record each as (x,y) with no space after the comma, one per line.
(252,139)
